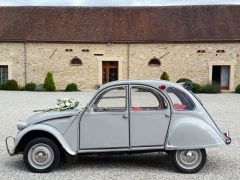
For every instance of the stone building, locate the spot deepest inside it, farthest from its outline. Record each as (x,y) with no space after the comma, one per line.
(94,45)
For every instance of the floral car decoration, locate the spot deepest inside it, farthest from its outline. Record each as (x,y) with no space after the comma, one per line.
(133,116)
(62,105)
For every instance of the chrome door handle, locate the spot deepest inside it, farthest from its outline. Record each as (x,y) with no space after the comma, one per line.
(125,116)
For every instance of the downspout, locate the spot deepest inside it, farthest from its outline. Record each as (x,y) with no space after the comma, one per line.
(25,62)
(128,58)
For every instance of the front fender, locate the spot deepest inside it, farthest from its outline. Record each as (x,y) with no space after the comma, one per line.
(48,129)
(192,133)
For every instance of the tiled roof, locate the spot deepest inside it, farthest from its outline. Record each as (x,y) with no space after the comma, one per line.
(120,24)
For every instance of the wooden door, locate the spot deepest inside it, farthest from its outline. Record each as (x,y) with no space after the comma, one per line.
(109,71)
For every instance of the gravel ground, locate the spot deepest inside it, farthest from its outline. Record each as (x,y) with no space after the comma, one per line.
(223,163)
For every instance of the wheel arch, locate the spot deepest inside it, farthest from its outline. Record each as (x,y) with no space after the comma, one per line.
(41,130)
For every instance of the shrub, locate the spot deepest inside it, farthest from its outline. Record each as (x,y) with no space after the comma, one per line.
(165,76)
(211,88)
(237,90)
(30,87)
(49,84)
(10,85)
(21,88)
(39,87)
(196,88)
(97,86)
(1,85)
(183,80)
(71,87)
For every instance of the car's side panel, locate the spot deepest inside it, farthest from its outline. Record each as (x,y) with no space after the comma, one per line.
(61,124)
(148,128)
(188,132)
(48,129)
(104,130)
(71,135)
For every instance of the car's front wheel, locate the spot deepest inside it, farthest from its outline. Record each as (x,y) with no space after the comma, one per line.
(189,161)
(41,155)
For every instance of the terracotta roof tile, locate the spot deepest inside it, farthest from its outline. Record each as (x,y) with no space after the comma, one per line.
(121,24)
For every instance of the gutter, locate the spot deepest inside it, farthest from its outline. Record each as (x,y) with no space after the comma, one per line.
(128,59)
(25,62)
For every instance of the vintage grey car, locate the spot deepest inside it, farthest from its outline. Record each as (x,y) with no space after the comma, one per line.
(132,116)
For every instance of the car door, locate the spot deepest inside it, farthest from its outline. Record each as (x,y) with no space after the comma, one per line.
(106,124)
(149,117)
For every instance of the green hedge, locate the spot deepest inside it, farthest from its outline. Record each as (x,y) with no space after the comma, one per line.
(49,83)
(237,90)
(71,87)
(1,85)
(183,80)
(211,88)
(30,87)
(197,88)
(10,85)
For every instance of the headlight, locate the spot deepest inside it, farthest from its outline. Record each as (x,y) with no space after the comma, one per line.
(21,125)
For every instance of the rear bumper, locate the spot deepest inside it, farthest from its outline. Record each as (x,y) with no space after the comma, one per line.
(9,149)
(227,137)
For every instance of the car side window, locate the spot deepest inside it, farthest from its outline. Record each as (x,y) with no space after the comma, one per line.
(113,100)
(180,100)
(144,99)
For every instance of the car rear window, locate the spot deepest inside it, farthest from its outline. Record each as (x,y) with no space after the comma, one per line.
(180,100)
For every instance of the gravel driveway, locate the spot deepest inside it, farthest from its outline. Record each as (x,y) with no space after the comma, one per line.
(223,163)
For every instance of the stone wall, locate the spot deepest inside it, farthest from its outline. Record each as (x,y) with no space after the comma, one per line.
(42,57)
(12,54)
(183,60)
(180,60)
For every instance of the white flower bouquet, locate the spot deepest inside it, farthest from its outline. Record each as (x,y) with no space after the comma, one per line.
(62,104)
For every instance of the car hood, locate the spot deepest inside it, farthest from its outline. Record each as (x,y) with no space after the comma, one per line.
(44,116)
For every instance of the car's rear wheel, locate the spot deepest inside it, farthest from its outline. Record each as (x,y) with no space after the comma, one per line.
(41,155)
(189,161)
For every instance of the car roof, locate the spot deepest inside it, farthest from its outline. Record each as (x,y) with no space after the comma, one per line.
(154,83)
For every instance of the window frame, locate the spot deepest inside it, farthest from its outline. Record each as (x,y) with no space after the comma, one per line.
(155,94)
(7,67)
(98,98)
(172,104)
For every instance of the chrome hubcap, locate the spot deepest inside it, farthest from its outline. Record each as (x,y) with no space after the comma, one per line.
(189,159)
(40,156)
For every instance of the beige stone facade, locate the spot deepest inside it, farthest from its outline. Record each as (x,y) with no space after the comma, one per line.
(30,62)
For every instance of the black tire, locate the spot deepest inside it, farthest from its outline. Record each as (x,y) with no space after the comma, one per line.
(180,168)
(45,142)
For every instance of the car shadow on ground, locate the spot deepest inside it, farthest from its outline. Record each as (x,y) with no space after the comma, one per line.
(151,160)
(154,161)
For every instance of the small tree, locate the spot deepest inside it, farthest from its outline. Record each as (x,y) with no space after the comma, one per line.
(49,84)
(165,76)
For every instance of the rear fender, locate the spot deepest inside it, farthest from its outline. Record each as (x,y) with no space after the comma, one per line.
(192,133)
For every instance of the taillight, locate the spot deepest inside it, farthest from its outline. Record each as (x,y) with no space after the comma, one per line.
(162,87)
(226,134)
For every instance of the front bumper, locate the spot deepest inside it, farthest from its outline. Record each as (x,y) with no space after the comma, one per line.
(9,149)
